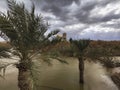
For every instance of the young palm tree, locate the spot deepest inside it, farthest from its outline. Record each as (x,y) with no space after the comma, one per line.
(25,31)
(80,49)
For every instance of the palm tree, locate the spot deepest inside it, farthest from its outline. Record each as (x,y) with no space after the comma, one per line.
(4,52)
(25,32)
(80,49)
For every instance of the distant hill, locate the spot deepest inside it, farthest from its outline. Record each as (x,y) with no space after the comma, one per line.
(113,45)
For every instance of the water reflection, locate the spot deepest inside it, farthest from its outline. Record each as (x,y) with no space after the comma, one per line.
(64,77)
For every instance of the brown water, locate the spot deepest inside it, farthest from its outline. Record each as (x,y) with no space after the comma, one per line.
(9,82)
(63,77)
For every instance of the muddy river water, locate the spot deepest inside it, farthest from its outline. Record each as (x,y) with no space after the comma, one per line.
(63,77)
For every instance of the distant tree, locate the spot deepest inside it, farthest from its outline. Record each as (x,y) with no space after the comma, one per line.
(102,55)
(25,32)
(80,50)
(70,40)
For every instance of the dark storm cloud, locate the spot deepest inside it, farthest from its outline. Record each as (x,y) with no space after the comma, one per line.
(108,17)
(82,13)
(56,2)
(55,6)
(97,19)
(89,6)
(57,11)
(115,25)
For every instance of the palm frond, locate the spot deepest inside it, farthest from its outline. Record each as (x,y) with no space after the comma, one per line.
(79,46)
(25,29)
(53,33)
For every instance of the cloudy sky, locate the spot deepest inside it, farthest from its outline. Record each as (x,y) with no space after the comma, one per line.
(94,19)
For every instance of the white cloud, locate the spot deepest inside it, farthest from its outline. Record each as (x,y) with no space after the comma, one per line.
(73,27)
(48,15)
(56,23)
(103,11)
(99,32)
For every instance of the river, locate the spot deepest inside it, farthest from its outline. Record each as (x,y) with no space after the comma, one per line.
(63,77)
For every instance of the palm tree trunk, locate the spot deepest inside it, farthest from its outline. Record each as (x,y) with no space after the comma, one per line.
(24,77)
(81,70)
